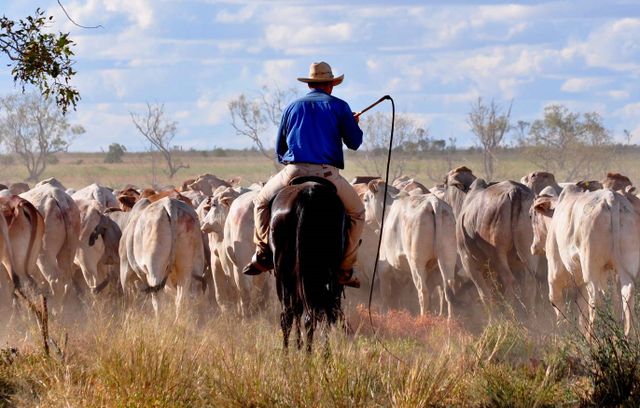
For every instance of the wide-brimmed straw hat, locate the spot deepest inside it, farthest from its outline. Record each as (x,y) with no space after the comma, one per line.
(320,72)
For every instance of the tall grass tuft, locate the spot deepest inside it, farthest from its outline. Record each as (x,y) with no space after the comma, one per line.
(610,360)
(128,359)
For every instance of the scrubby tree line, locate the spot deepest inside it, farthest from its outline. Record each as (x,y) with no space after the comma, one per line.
(571,144)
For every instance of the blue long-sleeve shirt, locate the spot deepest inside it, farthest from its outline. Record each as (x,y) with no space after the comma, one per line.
(313,129)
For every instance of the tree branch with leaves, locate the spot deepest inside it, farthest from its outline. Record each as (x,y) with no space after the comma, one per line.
(570,144)
(40,58)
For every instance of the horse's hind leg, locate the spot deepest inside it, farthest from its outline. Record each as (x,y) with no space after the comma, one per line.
(309,325)
(298,332)
(286,321)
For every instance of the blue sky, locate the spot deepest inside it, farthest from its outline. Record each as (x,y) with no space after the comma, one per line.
(434,57)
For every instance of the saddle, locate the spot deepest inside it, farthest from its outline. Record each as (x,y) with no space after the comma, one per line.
(314,179)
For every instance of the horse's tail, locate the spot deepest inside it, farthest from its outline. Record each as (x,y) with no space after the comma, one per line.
(299,264)
(318,248)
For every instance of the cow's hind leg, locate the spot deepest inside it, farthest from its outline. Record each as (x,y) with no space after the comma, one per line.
(48,266)
(418,275)
(594,304)
(155,302)
(180,288)
(626,290)
(505,277)
(475,272)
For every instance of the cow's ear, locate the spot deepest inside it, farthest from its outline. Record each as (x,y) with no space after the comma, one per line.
(544,204)
(399,194)
(373,186)
(226,201)
(629,189)
(127,202)
(457,184)
(583,184)
(234,181)
(393,191)
(589,185)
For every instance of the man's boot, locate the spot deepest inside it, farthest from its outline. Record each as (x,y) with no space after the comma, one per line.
(261,261)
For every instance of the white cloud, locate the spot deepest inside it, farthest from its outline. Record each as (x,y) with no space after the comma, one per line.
(510,86)
(278,71)
(212,111)
(281,36)
(630,111)
(619,94)
(517,29)
(574,85)
(373,64)
(94,118)
(483,15)
(241,16)
(465,97)
(129,44)
(117,83)
(115,79)
(614,45)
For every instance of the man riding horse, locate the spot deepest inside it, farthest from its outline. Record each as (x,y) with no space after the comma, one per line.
(309,143)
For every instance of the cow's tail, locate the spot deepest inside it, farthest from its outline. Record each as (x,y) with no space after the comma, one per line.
(518,196)
(8,254)
(614,206)
(171,207)
(157,288)
(70,237)
(37,231)
(441,211)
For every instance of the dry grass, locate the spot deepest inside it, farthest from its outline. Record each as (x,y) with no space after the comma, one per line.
(127,359)
(79,169)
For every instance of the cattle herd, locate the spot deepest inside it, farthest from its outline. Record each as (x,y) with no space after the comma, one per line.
(462,246)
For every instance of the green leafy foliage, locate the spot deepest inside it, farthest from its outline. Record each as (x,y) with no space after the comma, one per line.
(40,58)
(115,153)
(611,361)
(568,144)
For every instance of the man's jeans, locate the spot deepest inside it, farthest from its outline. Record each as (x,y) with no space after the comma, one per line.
(352,204)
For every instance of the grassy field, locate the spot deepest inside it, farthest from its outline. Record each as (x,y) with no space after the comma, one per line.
(117,357)
(79,169)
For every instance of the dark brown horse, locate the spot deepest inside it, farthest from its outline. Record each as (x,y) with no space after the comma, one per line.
(307,239)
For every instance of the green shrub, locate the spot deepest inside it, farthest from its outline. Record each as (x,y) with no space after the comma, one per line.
(115,153)
(611,361)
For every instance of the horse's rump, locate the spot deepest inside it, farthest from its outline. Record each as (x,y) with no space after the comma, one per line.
(307,238)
